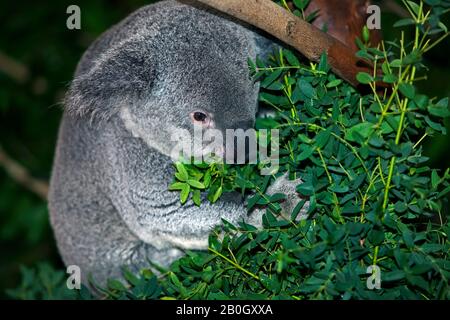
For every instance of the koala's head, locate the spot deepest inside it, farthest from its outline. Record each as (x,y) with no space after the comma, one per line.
(191,70)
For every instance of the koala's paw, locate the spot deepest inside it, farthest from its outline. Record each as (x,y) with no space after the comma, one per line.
(288,187)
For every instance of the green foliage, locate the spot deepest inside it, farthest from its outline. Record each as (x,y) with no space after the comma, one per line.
(315,260)
(42,283)
(374,199)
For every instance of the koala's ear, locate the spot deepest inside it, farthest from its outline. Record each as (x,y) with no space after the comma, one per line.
(117,77)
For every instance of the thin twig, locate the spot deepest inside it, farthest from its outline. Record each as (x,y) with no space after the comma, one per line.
(21,175)
(14,69)
(394,7)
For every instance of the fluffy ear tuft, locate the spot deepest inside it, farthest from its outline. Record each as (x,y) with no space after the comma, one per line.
(117,77)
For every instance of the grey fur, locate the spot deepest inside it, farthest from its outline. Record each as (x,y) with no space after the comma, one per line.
(108,200)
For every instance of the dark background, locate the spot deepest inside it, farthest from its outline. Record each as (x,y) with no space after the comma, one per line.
(44,54)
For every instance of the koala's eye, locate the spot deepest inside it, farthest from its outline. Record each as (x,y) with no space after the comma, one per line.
(200,116)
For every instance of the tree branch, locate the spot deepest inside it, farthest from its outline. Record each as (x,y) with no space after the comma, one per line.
(395,8)
(13,68)
(299,34)
(21,175)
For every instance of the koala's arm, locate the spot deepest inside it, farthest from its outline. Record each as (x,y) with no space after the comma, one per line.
(156,215)
(181,226)
(139,191)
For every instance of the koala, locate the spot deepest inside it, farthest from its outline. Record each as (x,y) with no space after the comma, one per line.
(167,66)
